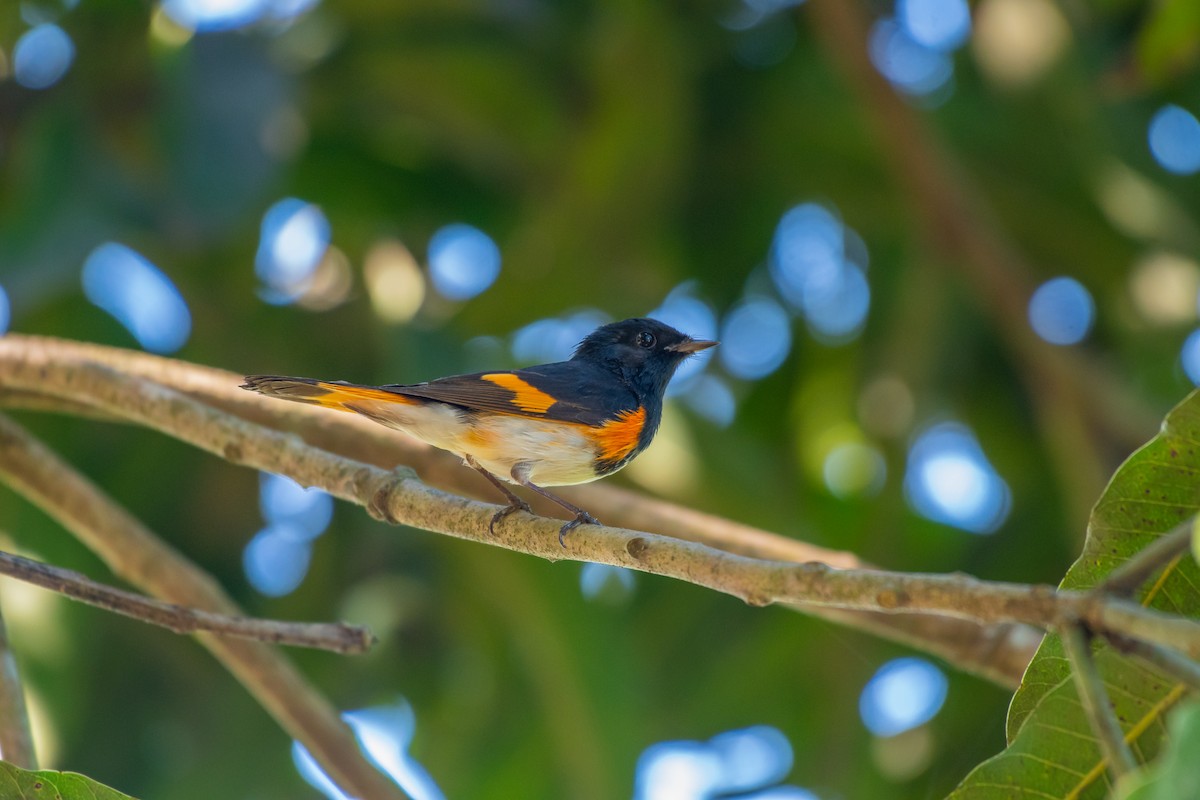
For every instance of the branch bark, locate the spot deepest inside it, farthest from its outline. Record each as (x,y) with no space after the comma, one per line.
(1096,705)
(997,652)
(336,637)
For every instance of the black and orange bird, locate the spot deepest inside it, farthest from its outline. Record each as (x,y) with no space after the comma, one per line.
(551,425)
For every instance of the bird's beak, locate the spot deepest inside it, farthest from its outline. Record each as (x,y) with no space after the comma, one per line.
(691,346)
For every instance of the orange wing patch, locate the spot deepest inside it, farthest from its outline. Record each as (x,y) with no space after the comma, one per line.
(618,437)
(526,397)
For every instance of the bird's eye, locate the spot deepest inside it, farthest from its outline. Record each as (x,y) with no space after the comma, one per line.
(645,339)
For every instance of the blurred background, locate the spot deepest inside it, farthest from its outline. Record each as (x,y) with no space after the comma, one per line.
(950,250)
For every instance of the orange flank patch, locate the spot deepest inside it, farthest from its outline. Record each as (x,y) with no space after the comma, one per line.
(526,397)
(480,440)
(618,437)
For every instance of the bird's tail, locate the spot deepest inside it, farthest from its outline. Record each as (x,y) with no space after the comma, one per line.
(330,394)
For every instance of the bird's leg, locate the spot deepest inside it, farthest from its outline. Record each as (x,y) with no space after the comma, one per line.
(581,517)
(514,503)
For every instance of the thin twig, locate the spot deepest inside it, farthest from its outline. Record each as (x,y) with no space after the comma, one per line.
(131,551)
(1181,669)
(16,738)
(336,637)
(1094,699)
(1125,579)
(998,652)
(401,498)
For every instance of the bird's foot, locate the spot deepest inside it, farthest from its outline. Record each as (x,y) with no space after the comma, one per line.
(517,504)
(581,518)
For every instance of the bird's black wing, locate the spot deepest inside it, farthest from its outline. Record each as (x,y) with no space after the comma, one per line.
(569,391)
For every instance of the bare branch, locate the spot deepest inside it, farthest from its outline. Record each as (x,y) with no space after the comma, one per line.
(1125,579)
(141,558)
(337,637)
(1181,669)
(1094,699)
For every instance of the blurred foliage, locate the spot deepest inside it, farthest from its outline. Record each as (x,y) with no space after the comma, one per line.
(613,150)
(1175,775)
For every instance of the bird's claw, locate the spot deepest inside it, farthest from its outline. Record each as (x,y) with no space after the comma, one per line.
(582,518)
(518,505)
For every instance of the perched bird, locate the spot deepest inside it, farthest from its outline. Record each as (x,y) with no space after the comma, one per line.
(551,425)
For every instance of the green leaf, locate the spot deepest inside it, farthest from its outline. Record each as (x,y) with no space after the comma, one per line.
(20,784)
(1052,752)
(1174,775)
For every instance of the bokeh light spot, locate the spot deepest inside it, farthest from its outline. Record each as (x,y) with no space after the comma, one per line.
(936,24)
(605,583)
(5,311)
(549,340)
(1164,287)
(42,56)
(1189,356)
(685,312)
(135,292)
(1015,41)
(752,757)
(950,480)
(854,469)
(292,241)
(756,337)
(1061,311)
(817,264)
(909,65)
(395,283)
(748,763)
(276,559)
(711,398)
(284,502)
(903,694)
(209,16)
(463,261)
(1174,135)
(677,771)
(384,733)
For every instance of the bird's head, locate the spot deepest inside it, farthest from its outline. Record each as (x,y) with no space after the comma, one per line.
(645,352)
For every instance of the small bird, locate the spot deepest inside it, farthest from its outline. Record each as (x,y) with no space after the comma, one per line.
(551,425)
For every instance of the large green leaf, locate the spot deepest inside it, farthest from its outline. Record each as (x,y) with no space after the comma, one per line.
(1052,752)
(20,784)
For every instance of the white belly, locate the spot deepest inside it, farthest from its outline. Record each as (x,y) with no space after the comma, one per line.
(543,452)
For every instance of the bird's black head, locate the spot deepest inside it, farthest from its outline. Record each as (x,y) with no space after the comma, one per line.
(644,352)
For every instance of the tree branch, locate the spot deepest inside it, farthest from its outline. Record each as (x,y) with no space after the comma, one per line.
(401,498)
(336,637)
(997,652)
(1094,699)
(141,558)
(1168,661)
(1129,576)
